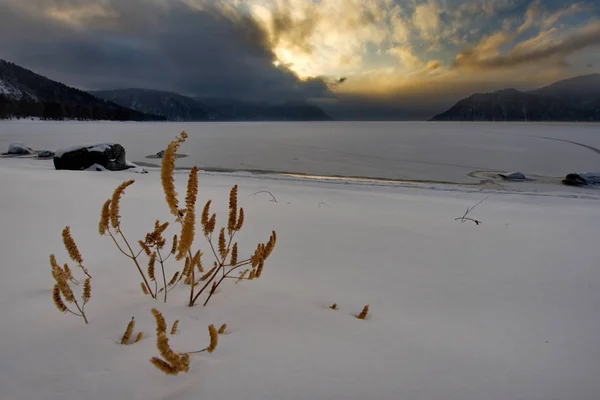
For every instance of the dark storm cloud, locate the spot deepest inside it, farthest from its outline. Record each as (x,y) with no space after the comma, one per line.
(167,45)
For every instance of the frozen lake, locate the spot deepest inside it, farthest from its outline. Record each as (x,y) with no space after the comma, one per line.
(426,151)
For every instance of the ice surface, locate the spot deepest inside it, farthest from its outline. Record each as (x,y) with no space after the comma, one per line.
(502,311)
(442,152)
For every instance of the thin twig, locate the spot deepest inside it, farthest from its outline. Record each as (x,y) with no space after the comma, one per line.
(136,263)
(264,191)
(469,209)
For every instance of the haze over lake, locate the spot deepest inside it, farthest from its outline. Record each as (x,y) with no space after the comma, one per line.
(426,151)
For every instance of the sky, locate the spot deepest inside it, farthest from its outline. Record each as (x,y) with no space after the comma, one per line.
(371,59)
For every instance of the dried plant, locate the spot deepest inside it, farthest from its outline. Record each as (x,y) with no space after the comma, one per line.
(224,249)
(174,327)
(334,306)
(172,362)
(161,324)
(363,313)
(62,293)
(125,339)
(222,329)
(73,250)
(465,217)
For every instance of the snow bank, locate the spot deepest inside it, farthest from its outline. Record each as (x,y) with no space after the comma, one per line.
(501,311)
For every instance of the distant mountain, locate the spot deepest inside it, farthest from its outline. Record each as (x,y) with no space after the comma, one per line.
(24,94)
(576,100)
(173,106)
(582,91)
(240,110)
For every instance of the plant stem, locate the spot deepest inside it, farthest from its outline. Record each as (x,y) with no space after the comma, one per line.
(136,264)
(162,267)
(225,275)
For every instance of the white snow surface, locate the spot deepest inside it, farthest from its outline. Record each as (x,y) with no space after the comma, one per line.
(505,310)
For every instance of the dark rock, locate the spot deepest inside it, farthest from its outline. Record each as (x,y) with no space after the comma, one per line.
(45,154)
(513,176)
(109,156)
(582,179)
(19,149)
(160,154)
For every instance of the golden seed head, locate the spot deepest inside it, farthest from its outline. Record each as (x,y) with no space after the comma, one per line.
(71,246)
(259,269)
(162,344)
(240,221)
(334,306)
(53,262)
(115,218)
(222,329)
(174,279)
(104,218)
(174,248)
(161,228)
(144,289)
(139,337)
(204,219)
(145,247)
(151,264)
(187,268)
(242,276)
(212,223)
(252,275)
(232,221)
(192,189)
(58,300)
(68,272)
(208,274)
(270,245)
(197,261)
(222,244)
(66,291)
(363,313)
(174,327)
(167,172)
(128,332)
(187,234)
(161,325)
(233,197)
(234,254)
(214,338)
(164,366)
(87,290)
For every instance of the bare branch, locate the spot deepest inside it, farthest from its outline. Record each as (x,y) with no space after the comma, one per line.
(264,191)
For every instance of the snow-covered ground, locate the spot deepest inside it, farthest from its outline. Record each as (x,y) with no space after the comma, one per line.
(505,310)
(440,152)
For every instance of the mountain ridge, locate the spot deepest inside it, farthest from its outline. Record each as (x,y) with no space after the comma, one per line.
(26,94)
(575,99)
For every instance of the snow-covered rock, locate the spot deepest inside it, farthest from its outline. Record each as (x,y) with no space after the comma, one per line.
(45,154)
(19,149)
(513,176)
(582,179)
(110,156)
